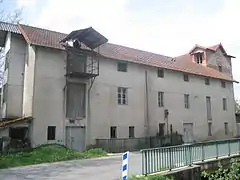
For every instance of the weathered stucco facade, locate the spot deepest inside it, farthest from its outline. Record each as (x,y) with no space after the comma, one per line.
(37,87)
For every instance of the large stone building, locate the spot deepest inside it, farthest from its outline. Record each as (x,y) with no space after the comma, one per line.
(76,94)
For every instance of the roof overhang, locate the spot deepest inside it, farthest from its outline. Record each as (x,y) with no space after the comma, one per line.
(89,36)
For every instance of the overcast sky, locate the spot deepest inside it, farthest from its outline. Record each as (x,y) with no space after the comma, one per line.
(168,27)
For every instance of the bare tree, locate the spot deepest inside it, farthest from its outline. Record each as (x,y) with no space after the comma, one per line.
(11,17)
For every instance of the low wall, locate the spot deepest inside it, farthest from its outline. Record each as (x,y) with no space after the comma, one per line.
(194,172)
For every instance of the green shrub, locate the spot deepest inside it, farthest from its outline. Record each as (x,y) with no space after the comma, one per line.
(232,173)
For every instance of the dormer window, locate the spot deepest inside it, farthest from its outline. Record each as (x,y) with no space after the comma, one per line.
(220,68)
(199,58)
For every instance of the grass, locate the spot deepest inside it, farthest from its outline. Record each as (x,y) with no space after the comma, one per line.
(47,154)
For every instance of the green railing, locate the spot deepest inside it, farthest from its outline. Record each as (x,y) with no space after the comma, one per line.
(168,158)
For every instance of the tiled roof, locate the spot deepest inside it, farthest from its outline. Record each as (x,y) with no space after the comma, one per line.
(9,27)
(47,38)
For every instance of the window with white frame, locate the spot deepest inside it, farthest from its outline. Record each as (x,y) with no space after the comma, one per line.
(160,99)
(186,101)
(122,95)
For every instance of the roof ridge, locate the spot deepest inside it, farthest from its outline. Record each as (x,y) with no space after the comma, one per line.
(42,29)
(139,50)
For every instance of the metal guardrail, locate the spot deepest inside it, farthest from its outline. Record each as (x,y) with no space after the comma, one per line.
(168,158)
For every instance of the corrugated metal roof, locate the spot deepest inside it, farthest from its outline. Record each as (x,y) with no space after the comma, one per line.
(9,27)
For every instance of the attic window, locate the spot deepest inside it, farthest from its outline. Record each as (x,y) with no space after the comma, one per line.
(220,68)
(199,58)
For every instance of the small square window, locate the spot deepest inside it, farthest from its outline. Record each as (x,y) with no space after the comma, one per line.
(185,77)
(113,132)
(207,81)
(122,67)
(51,133)
(223,84)
(160,73)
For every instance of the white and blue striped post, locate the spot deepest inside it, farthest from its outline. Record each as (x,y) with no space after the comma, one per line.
(125,165)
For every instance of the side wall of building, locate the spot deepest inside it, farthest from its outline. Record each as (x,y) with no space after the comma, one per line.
(14,76)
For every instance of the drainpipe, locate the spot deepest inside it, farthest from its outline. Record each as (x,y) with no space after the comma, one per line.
(147,106)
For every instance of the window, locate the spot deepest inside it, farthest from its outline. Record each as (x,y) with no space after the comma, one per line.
(113,132)
(224,101)
(209,109)
(223,84)
(185,77)
(186,101)
(122,67)
(220,68)
(76,106)
(161,129)
(226,128)
(122,95)
(131,132)
(160,73)
(207,81)
(6,61)
(199,58)
(4,93)
(51,133)
(160,99)
(209,129)
(18,132)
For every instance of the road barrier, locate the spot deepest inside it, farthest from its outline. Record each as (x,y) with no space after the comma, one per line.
(125,157)
(168,158)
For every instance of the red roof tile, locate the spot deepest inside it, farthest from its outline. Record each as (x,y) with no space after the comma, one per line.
(47,38)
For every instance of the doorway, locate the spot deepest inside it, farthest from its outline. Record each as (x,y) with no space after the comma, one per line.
(188,132)
(75,137)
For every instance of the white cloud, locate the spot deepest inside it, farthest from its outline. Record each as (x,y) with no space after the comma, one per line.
(171,35)
(25,3)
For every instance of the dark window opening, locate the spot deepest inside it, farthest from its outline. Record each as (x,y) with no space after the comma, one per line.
(209,129)
(224,100)
(199,58)
(220,68)
(51,134)
(160,99)
(113,132)
(223,84)
(122,67)
(207,81)
(4,93)
(186,101)
(226,128)
(160,73)
(18,133)
(161,129)
(6,65)
(131,132)
(185,77)
(209,108)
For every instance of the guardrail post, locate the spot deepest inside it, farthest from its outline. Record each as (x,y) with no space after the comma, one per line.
(217,152)
(203,153)
(170,158)
(190,155)
(229,148)
(238,146)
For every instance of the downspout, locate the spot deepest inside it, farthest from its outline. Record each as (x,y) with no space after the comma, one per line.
(146,107)
(89,112)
